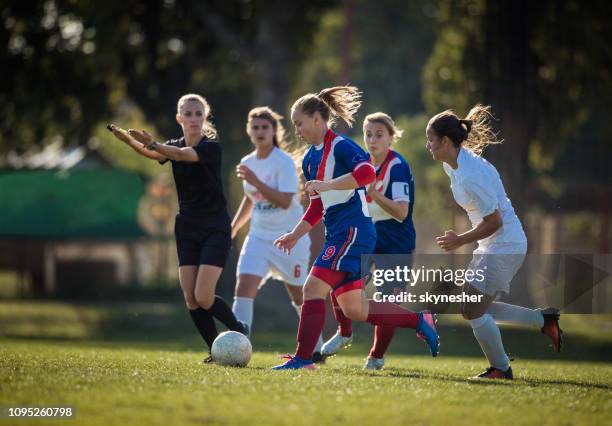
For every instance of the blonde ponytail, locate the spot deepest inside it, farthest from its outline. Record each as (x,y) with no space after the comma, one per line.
(334,102)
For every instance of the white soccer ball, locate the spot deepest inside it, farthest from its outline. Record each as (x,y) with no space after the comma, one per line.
(231,348)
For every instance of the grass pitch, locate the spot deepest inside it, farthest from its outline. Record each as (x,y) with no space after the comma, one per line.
(61,356)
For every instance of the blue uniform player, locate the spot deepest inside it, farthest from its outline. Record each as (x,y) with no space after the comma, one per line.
(271,204)
(390,202)
(338,171)
(349,232)
(396,234)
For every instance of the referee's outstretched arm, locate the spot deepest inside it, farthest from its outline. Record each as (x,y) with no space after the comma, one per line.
(175,153)
(136,145)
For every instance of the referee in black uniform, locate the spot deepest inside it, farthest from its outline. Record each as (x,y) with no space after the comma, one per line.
(203,227)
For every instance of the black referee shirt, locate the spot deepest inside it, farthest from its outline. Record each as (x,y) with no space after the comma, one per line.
(198,184)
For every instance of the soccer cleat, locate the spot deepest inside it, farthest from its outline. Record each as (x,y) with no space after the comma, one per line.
(318,358)
(246,330)
(208,360)
(294,363)
(426,331)
(495,373)
(374,363)
(551,327)
(335,343)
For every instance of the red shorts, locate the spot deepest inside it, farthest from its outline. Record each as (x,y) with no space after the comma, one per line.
(337,280)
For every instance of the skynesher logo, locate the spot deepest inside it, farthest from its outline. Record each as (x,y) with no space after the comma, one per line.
(412,276)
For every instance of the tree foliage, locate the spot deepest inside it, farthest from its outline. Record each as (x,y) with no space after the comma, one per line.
(545,69)
(68,65)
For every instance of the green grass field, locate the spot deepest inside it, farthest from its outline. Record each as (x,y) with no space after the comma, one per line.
(140,364)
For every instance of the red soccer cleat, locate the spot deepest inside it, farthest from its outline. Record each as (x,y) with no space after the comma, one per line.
(551,327)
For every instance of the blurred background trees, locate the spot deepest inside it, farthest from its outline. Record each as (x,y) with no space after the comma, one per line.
(70,67)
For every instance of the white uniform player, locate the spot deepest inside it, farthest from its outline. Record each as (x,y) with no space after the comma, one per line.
(268,222)
(502,244)
(478,189)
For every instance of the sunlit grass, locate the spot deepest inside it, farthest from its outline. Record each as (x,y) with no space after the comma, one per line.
(141,364)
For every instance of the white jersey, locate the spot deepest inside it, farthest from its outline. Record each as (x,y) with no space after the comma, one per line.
(478,189)
(279,172)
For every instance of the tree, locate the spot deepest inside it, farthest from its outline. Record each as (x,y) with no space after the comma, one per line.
(68,65)
(544,68)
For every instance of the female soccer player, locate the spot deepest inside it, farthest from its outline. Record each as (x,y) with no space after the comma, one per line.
(478,189)
(270,182)
(390,203)
(202,227)
(337,171)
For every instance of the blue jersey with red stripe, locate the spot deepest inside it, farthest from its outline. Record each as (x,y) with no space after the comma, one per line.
(394,180)
(349,231)
(335,157)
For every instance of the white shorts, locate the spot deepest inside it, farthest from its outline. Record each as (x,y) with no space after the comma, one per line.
(260,257)
(498,264)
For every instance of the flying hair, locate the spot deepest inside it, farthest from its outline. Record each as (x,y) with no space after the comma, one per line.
(332,103)
(474,132)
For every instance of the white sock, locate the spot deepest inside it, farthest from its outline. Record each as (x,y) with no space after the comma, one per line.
(243,309)
(298,309)
(512,314)
(488,336)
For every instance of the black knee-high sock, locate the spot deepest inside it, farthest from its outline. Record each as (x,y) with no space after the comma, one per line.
(205,324)
(221,310)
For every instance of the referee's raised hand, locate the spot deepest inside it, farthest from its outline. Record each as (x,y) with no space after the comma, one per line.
(119,133)
(141,136)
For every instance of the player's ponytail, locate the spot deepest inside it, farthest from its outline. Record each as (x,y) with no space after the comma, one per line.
(474,132)
(479,131)
(334,102)
(343,102)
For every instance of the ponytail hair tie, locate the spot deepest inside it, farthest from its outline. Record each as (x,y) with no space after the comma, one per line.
(467,125)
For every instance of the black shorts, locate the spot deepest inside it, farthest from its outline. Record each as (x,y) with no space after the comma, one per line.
(202,241)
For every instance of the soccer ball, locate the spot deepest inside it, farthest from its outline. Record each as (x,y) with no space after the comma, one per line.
(231,348)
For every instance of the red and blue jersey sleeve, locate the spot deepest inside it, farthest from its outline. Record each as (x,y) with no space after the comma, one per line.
(356,161)
(351,155)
